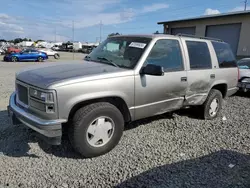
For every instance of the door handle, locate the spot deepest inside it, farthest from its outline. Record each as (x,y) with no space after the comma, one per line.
(212,76)
(183,79)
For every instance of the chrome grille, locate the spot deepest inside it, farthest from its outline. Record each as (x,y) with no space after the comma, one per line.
(22,93)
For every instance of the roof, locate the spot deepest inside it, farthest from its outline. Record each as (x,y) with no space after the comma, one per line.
(151,36)
(208,16)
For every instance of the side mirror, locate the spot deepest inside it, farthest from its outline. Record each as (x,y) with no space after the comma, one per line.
(152,69)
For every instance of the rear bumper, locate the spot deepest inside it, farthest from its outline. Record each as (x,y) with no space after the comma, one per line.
(6,58)
(50,129)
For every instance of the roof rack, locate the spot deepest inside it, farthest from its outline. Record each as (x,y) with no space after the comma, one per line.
(198,37)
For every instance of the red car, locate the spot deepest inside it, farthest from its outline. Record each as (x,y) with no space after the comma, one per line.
(13,50)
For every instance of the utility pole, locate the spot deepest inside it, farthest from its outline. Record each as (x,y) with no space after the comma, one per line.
(73,37)
(100,31)
(245,2)
(55,34)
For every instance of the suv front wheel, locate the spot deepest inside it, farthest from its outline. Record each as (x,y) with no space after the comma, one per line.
(96,129)
(212,105)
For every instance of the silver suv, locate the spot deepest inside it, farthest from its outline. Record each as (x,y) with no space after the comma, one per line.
(126,78)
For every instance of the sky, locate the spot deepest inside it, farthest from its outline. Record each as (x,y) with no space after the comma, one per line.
(93,20)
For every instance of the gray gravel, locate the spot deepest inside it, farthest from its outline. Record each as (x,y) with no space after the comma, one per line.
(177,150)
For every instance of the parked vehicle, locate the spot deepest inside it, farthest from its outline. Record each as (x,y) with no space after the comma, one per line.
(13,50)
(244,76)
(26,55)
(50,52)
(56,47)
(126,78)
(2,52)
(87,49)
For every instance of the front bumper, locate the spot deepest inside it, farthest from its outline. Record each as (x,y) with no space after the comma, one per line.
(244,86)
(51,130)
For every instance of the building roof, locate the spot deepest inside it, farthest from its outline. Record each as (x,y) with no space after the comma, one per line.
(208,16)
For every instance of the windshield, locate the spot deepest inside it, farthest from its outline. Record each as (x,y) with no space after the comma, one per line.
(244,64)
(122,52)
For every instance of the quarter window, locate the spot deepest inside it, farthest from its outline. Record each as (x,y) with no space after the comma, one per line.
(199,55)
(166,53)
(224,55)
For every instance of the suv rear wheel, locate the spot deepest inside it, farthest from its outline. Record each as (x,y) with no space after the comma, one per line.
(96,129)
(213,104)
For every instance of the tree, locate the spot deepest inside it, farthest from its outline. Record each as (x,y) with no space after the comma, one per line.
(157,32)
(17,40)
(113,34)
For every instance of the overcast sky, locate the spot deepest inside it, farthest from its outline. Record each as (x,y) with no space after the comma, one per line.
(41,19)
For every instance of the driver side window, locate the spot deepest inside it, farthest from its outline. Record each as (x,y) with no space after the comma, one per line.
(166,53)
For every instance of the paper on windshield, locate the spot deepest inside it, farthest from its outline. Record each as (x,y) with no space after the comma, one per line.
(137,45)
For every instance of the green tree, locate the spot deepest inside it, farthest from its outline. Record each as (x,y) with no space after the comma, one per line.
(17,40)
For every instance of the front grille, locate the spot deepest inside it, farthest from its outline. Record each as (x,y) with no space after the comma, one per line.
(22,92)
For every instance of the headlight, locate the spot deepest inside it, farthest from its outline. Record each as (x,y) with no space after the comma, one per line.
(46,97)
(246,80)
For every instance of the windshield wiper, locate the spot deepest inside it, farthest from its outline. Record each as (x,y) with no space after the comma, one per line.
(109,61)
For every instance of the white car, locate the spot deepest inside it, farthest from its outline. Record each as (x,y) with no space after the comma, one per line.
(244,74)
(50,52)
(1,52)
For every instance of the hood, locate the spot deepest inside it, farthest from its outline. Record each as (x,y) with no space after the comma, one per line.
(244,73)
(45,75)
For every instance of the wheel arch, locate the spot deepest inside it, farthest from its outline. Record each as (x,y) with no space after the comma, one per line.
(222,87)
(115,100)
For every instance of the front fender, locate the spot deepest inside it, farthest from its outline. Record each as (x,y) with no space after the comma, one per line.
(64,112)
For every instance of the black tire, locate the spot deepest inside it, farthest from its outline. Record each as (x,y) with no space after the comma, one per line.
(81,121)
(40,59)
(56,56)
(14,59)
(214,94)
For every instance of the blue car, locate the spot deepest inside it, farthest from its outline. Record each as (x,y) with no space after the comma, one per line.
(26,55)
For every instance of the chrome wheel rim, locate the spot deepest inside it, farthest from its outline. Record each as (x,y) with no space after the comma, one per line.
(214,106)
(100,131)
(13,59)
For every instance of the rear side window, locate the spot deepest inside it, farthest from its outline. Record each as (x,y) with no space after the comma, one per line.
(224,55)
(199,55)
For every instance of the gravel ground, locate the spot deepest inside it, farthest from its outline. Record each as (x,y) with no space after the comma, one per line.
(172,150)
